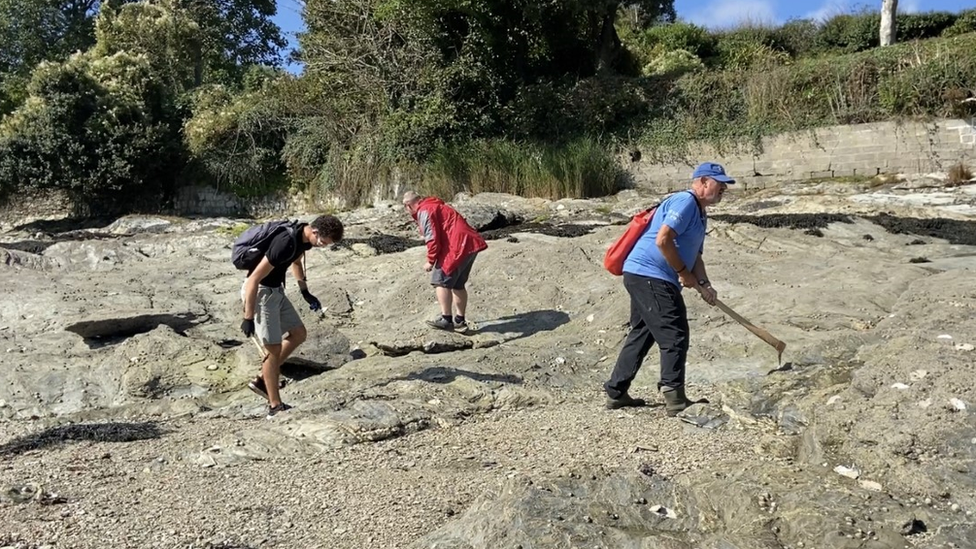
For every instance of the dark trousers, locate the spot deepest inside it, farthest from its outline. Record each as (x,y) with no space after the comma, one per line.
(657,314)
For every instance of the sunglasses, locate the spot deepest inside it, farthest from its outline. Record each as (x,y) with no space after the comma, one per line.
(722,187)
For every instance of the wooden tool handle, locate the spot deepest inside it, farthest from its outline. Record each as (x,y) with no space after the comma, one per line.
(762,334)
(261,350)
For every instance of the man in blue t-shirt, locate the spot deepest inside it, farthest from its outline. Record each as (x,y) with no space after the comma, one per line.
(667,257)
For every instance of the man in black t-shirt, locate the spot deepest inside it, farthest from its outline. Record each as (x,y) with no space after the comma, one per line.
(268,312)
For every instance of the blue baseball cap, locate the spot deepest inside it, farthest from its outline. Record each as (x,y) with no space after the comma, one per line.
(713,170)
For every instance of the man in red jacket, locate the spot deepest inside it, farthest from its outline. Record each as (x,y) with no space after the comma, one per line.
(452,246)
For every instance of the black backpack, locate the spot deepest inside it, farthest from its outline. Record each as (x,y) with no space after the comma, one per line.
(253,243)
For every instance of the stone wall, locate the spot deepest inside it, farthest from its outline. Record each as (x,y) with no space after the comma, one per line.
(25,207)
(207,201)
(863,149)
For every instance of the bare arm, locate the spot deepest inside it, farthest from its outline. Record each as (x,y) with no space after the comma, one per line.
(699,269)
(705,287)
(251,286)
(298,270)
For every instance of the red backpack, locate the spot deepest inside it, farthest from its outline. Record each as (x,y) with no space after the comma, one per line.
(614,259)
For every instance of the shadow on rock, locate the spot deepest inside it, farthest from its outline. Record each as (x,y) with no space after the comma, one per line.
(108,331)
(439,374)
(35,247)
(94,432)
(54,226)
(525,324)
(298,369)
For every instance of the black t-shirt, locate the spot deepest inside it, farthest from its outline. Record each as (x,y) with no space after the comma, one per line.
(282,252)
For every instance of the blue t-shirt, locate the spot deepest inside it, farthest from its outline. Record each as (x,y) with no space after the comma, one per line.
(680,212)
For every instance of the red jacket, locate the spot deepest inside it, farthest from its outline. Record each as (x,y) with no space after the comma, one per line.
(448,236)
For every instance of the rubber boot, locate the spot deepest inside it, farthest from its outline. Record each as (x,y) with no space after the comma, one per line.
(675,400)
(625,401)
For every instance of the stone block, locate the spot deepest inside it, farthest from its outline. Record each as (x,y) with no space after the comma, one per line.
(819,174)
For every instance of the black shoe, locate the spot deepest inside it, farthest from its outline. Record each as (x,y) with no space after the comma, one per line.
(257,385)
(625,401)
(675,400)
(272,412)
(441,324)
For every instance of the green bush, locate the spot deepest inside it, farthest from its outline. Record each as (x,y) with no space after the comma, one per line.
(306,150)
(236,140)
(850,32)
(925,88)
(735,107)
(673,63)
(796,37)
(90,127)
(918,26)
(13,92)
(581,168)
(749,46)
(681,36)
(563,110)
(965,23)
(353,173)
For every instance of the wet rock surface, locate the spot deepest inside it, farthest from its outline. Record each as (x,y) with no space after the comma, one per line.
(123,398)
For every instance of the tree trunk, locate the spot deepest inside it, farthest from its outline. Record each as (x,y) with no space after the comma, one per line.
(609,43)
(888,24)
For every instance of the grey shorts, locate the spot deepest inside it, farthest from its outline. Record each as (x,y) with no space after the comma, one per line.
(458,278)
(274,315)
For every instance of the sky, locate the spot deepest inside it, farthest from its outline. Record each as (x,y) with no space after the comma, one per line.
(714,14)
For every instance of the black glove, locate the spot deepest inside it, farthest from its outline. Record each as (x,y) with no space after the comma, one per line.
(248,327)
(313,302)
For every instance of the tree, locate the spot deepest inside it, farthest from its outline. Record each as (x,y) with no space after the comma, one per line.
(33,31)
(237,140)
(889,9)
(105,125)
(427,70)
(602,16)
(236,35)
(96,129)
(163,32)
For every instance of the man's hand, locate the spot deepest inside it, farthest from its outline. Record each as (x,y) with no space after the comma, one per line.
(428,266)
(313,302)
(708,294)
(687,279)
(248,327)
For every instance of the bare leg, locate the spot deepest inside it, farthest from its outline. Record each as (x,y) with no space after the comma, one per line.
(296,337)
(270,370)
(444,298)
(460,301)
